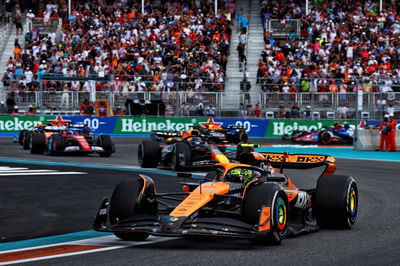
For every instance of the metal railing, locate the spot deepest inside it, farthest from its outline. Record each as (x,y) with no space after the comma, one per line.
(319,105)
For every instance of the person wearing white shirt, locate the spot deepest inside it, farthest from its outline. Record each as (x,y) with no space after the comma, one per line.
(30,16)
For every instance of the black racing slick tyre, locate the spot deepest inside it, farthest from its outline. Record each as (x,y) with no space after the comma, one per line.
(336,201)
(181,155)
(21,136)
(324,137)
(273,196)
(55,144)
(125,203)
(37,143)
(240,137)
(149,153)
(26,140)
(106,143)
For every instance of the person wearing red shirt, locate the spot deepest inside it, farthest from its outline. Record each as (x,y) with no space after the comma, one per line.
(392,133)
(384,129)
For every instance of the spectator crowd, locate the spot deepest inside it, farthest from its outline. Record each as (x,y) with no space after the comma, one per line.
(339,40)
(173,45)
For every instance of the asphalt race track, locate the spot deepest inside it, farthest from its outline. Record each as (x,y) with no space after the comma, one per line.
(43,195)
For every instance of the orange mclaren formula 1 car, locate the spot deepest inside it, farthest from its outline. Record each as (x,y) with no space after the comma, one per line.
(259,203)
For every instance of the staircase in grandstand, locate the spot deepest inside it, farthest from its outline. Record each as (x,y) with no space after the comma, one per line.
(255,44)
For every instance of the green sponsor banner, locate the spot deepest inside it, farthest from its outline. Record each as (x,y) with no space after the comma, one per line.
(278,128)
(14,124)
(144,125)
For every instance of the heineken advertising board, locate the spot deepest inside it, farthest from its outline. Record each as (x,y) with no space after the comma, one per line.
(278,128)
(136,126)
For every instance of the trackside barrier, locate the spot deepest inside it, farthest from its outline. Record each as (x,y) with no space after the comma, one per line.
(143,125)
(369,139)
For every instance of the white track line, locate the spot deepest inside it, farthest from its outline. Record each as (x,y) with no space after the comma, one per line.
(111,241)
(47,173)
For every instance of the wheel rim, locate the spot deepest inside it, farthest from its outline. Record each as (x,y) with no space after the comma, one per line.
(325,137)
(352,204)
(280,215)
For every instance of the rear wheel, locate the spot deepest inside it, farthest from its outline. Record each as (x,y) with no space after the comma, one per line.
(106,143)
(324,137)
(55,144)
(37,143)
(125,203)
(336,201)
(26,139)
(273,196)
(149,153)
(181,155)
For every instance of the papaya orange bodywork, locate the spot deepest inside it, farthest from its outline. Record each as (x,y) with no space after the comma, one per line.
(265,221)
(199,197)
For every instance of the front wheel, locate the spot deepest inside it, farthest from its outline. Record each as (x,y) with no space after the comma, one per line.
(21,136)
(324,138)
(106,143)
(267,206)
(26,139)
(149,153)
(181,155)
(125,203)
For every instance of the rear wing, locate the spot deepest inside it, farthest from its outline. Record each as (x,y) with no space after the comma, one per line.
(285,160)
(304,161)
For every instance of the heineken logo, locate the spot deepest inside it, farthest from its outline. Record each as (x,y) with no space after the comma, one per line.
(129,125)
(282,128)
(17,124)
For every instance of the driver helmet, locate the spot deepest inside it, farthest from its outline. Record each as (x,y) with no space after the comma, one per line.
(240,175)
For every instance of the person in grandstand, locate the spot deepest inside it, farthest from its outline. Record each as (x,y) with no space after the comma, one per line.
(342,111)
(31,110)
(210,111)
(119,111)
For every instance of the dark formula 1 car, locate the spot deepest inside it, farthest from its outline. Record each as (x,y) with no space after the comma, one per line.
(245,201)
(337,134)
(223,135)
(71,139)
(178,150)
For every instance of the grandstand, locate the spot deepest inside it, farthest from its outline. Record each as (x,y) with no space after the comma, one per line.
(183,54)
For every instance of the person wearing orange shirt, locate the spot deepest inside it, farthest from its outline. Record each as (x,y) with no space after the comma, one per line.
(17,52)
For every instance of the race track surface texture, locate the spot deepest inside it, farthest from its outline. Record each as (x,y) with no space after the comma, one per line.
(67,199)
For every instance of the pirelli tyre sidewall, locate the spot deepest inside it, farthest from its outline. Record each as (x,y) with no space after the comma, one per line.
(125,202)
(336,201)
(273,196)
